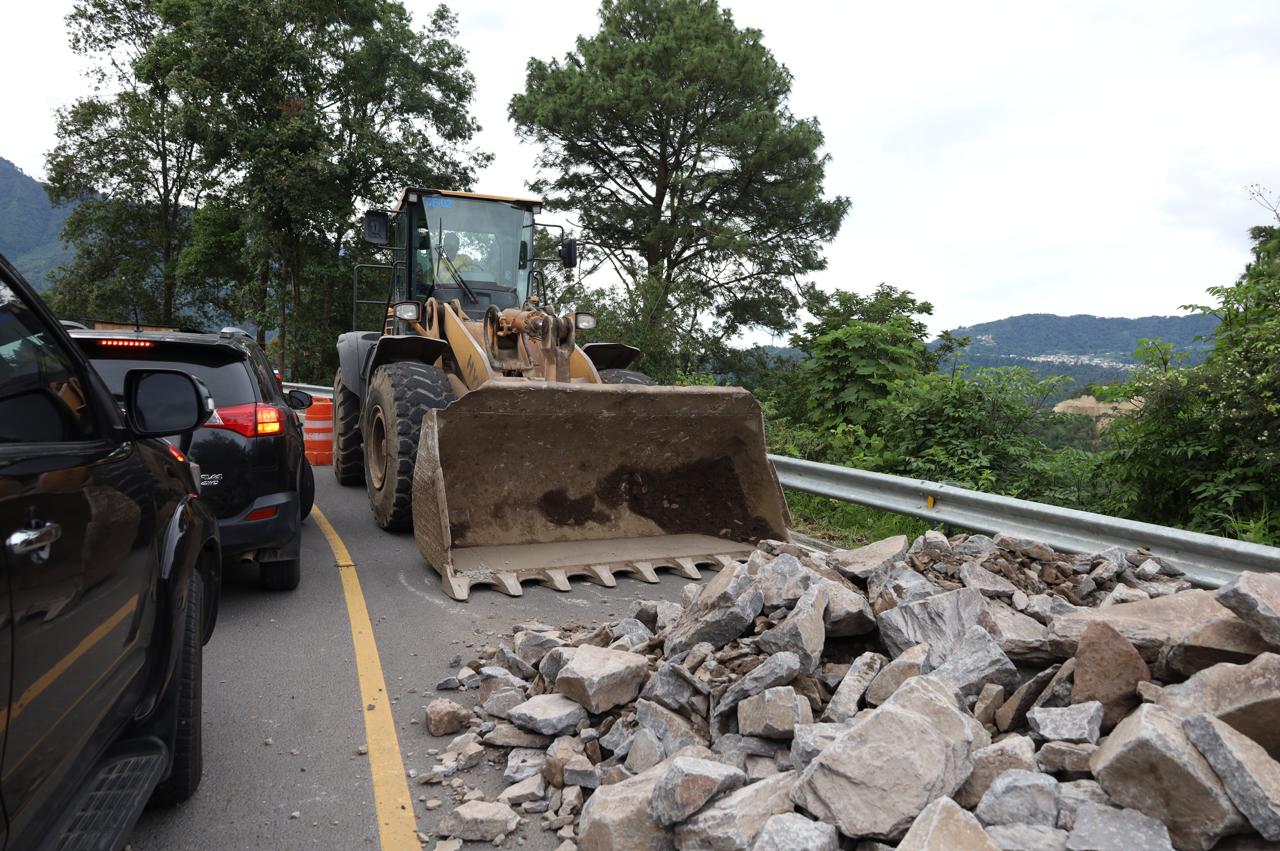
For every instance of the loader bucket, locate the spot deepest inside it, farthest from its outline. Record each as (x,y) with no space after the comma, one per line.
(528,480)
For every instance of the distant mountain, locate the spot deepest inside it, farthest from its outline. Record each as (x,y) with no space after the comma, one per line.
(1090,349)
(30,226)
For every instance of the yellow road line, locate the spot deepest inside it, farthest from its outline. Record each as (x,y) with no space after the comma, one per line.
(397,827)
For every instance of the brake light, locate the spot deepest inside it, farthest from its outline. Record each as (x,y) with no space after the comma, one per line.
(262,513)
(176,453)
(251,420)
(126,344)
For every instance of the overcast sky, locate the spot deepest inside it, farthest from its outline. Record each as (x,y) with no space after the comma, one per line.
(1002,157)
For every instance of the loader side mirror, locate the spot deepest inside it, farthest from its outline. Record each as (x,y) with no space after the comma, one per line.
(377,227)
(569,253)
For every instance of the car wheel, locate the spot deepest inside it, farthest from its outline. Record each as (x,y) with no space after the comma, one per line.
(188,752)
(348,448)
(280,575)
(306,490)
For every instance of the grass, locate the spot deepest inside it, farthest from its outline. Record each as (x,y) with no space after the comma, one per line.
(845,524)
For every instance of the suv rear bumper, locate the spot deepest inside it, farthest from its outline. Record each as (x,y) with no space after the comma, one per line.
(274,538)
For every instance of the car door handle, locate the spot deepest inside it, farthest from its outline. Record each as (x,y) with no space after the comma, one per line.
(34,542)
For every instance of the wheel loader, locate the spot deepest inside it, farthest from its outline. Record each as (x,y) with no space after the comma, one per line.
(472,416)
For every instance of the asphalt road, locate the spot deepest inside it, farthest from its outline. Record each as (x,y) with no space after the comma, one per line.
(283,713)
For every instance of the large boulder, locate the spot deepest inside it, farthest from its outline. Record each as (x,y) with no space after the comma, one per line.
(1019,796)
(723,611)
(1021,637)
(616,817)
(940,621)
(774,713)
(913,662)
(599,679)
(1245,696)
(548,714)
(733,822)
(847,613)
(1255,598)
(479,821)
(992,761)
(1149,764)
(977,660)
(688,785)
(445,717)
(794,832)
(860,563)
(1108,670)
(1099,827)
(1178,634)
(944,826)
(1251,776)
(802,632)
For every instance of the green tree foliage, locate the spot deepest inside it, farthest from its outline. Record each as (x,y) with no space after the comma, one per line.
(668,133)
(1203,448)
(833,311)
(129,154)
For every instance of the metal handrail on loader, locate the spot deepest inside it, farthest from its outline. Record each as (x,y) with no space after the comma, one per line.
(1207,560)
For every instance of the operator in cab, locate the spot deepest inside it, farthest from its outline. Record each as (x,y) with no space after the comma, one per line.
(451,261)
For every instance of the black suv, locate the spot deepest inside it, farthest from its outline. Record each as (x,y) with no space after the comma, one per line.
(111,572)
(253,471)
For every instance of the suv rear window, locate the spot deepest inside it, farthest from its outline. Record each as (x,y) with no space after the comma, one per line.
(223,370)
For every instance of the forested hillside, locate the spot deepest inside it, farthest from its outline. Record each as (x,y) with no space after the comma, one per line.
(30,225)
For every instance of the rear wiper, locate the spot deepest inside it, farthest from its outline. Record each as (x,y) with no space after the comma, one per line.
(457,279)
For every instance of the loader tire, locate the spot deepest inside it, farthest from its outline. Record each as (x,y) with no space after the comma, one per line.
(400,394)
(624,376)
(348,451)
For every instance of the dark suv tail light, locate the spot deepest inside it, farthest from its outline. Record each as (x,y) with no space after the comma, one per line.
(252,420)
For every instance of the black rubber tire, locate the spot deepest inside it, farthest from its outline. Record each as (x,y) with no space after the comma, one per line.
(401,394)
(188,743)
(624,376)
(348,448)
(280,575)
(306,490)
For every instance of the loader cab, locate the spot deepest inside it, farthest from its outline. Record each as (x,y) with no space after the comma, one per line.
(473,248)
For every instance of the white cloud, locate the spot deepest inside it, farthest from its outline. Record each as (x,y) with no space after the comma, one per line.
(1002,157)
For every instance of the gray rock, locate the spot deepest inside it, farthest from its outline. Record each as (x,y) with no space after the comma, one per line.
(523,763)
(944,826)
(911,663)
(778,670)
(1149,764)
(1079,723)
(990,699)
(848,695)
(1058,692)
(803,632)
(837,788)
(940,621)
(1012,714)
(975,576)
(598,679)
(897,584)
(532,788)
(479,821)
(860,563)
(552,661)
(616,816)
(1065,758)
(847,613)
(680,691)
(774,713)
(783,581)
(992,761)
(1022,638)
(1245,696)
(724,610)
(674,731)
(1046,607)
(1032,549)
(733,822)
(1027,837)
(1102,828)
(977,660)
(510,660)
(932,542)
(794,832)
(1255,598)
(532,646)
(502,702)
(975,547)
(548,714)
(511,736)
(578,771)
(1020,797)
(688,785)
(645,751)
(809,740)
(1251,776)
(1075,794)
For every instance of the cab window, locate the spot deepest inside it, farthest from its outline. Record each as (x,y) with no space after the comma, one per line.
(42,395)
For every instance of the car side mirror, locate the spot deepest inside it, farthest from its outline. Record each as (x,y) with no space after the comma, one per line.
(298,400)
(165,402)
(569,253)
(377,227)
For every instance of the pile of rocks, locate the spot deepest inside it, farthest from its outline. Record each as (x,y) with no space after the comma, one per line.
(963,693)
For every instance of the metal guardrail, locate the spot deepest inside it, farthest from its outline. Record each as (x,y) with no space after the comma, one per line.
(1207,560)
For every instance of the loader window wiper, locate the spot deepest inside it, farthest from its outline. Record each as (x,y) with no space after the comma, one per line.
(453,273)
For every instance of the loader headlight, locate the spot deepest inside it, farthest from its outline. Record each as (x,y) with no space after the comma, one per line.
(584,321)
(409,311)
